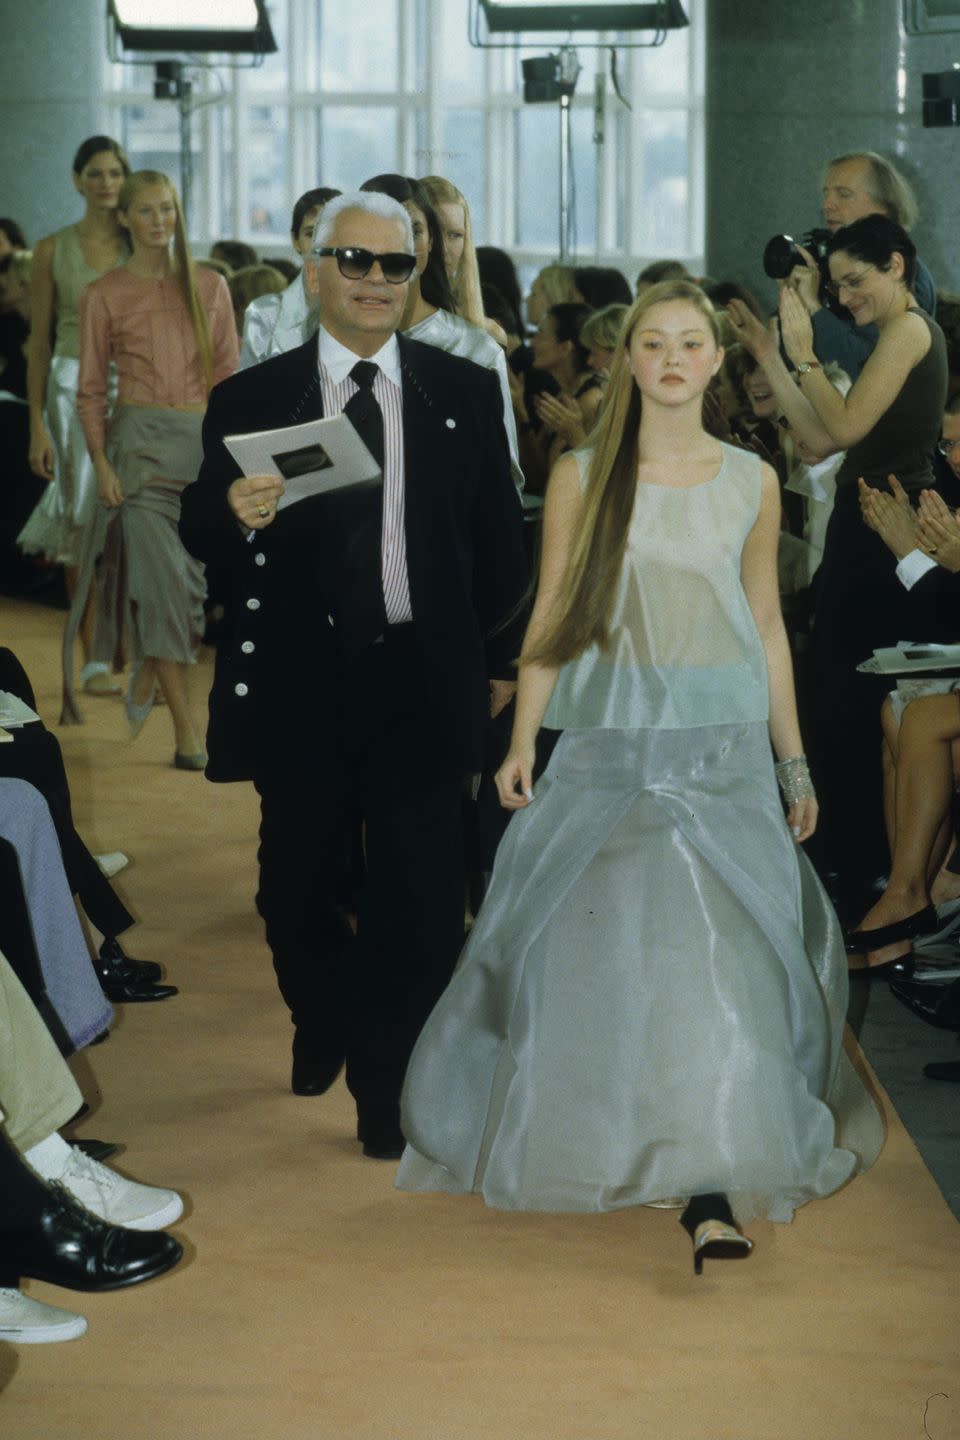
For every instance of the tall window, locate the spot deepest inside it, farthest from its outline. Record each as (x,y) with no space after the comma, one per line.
(357,89)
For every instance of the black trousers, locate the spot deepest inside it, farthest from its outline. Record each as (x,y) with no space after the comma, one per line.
(366,996)
(35,755)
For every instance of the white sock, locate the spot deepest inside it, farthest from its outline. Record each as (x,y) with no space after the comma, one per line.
(49,1157)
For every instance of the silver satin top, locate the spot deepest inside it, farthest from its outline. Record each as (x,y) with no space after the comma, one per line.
(274,324)
(458,337)
(684,648)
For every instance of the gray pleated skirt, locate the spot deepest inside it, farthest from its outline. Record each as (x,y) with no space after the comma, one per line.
(651,1003)
(149,587)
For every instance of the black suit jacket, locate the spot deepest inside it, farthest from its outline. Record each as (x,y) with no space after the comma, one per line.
(277,688)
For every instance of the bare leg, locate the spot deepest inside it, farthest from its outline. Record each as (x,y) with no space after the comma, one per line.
(172,675)
(924,788)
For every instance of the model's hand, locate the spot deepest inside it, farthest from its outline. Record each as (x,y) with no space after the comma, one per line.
(561,414)
(802,819)
(890,516)
(253,500)
(108,485)
(41,454)
(515,779)
(804,280)
(501,693)
(796,328)
(749,331)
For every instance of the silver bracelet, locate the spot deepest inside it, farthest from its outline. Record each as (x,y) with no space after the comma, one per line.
(793,776)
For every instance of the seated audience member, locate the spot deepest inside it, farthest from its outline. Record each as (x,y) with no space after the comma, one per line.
(64,1218)
(946,461)
(856,185)
(277,323)
(235,253)
(721,292)
(497,269)
(565,405)
(11,237)
(598,336)
(660,270)
(601,285)
(34,755)
(553,285)
(252,283)
(220,266)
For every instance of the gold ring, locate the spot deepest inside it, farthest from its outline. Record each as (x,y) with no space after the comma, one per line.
(931,549)
(263,511)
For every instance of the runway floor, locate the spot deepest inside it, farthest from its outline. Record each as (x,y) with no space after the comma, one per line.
(318,1303)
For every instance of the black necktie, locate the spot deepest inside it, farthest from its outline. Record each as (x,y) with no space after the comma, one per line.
(361,616)
(363,409)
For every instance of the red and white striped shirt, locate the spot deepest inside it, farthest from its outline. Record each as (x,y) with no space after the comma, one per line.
(336,362)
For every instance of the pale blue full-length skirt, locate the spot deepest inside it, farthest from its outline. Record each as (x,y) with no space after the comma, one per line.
(651,1002)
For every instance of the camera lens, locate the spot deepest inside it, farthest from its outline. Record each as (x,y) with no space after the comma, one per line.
(780,256)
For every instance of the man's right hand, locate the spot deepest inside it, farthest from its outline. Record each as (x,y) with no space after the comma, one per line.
(253,500)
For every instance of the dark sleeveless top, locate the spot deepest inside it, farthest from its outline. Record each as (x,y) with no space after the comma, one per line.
(904,438)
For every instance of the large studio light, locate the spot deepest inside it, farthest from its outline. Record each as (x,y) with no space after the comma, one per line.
(584,15)
(194,26)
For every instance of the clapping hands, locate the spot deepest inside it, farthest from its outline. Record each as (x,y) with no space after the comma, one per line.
(561,414)
(890,516)
(938,530)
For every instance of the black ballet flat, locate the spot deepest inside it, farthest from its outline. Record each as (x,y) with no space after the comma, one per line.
(921,922)
(901,969)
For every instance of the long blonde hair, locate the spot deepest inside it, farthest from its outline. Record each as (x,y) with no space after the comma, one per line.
(466,283)
(183,262)
(589,586)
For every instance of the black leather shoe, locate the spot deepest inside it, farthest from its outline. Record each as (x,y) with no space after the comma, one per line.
(66,1245)
(379,1133)
(123,986)
(938,1005)
(112,953)
(96,1149)
(921,922)
(314,1067)
(943,1070)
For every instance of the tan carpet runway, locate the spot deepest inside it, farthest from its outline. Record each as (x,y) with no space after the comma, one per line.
(317,1303)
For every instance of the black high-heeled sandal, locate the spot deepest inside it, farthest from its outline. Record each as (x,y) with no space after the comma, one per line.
(921,922)
(720,1239)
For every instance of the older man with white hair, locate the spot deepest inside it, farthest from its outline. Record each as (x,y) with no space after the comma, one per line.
(369,635)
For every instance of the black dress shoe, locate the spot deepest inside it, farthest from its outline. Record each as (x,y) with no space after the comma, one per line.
(379,1133)
(938,1005)
(112,953)
(315,1068)
(123,986)
(66,1245)
(943,1070)
(96,1149)
(921,922)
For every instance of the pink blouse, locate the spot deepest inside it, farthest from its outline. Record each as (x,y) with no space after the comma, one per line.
(144,328)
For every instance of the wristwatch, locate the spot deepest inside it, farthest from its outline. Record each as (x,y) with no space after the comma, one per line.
(806,366)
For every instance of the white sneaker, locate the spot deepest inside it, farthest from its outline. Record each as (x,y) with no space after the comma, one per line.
(114,1198)
(24,1321)
(112,863)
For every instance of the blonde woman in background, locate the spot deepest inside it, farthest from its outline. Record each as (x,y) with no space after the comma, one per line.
(459,253)
(169,330)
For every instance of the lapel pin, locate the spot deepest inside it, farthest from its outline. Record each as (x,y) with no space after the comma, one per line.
(450,424)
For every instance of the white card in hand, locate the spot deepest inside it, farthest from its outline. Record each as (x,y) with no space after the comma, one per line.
(311,459)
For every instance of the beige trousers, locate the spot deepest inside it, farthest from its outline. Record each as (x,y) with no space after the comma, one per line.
(37,1092)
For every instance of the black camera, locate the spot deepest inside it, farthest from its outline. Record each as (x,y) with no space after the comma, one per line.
(782,253)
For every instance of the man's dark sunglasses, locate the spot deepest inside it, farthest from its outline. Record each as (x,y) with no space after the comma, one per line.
(354,263)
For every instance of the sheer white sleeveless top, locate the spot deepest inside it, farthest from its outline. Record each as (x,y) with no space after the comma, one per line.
(684,649)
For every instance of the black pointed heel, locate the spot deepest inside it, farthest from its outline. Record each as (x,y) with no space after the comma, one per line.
(921,922)
(719,1239)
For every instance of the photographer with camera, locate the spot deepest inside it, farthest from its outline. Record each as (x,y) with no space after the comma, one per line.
(855,185)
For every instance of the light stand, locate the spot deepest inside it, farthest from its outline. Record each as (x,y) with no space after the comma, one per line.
(171,82)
